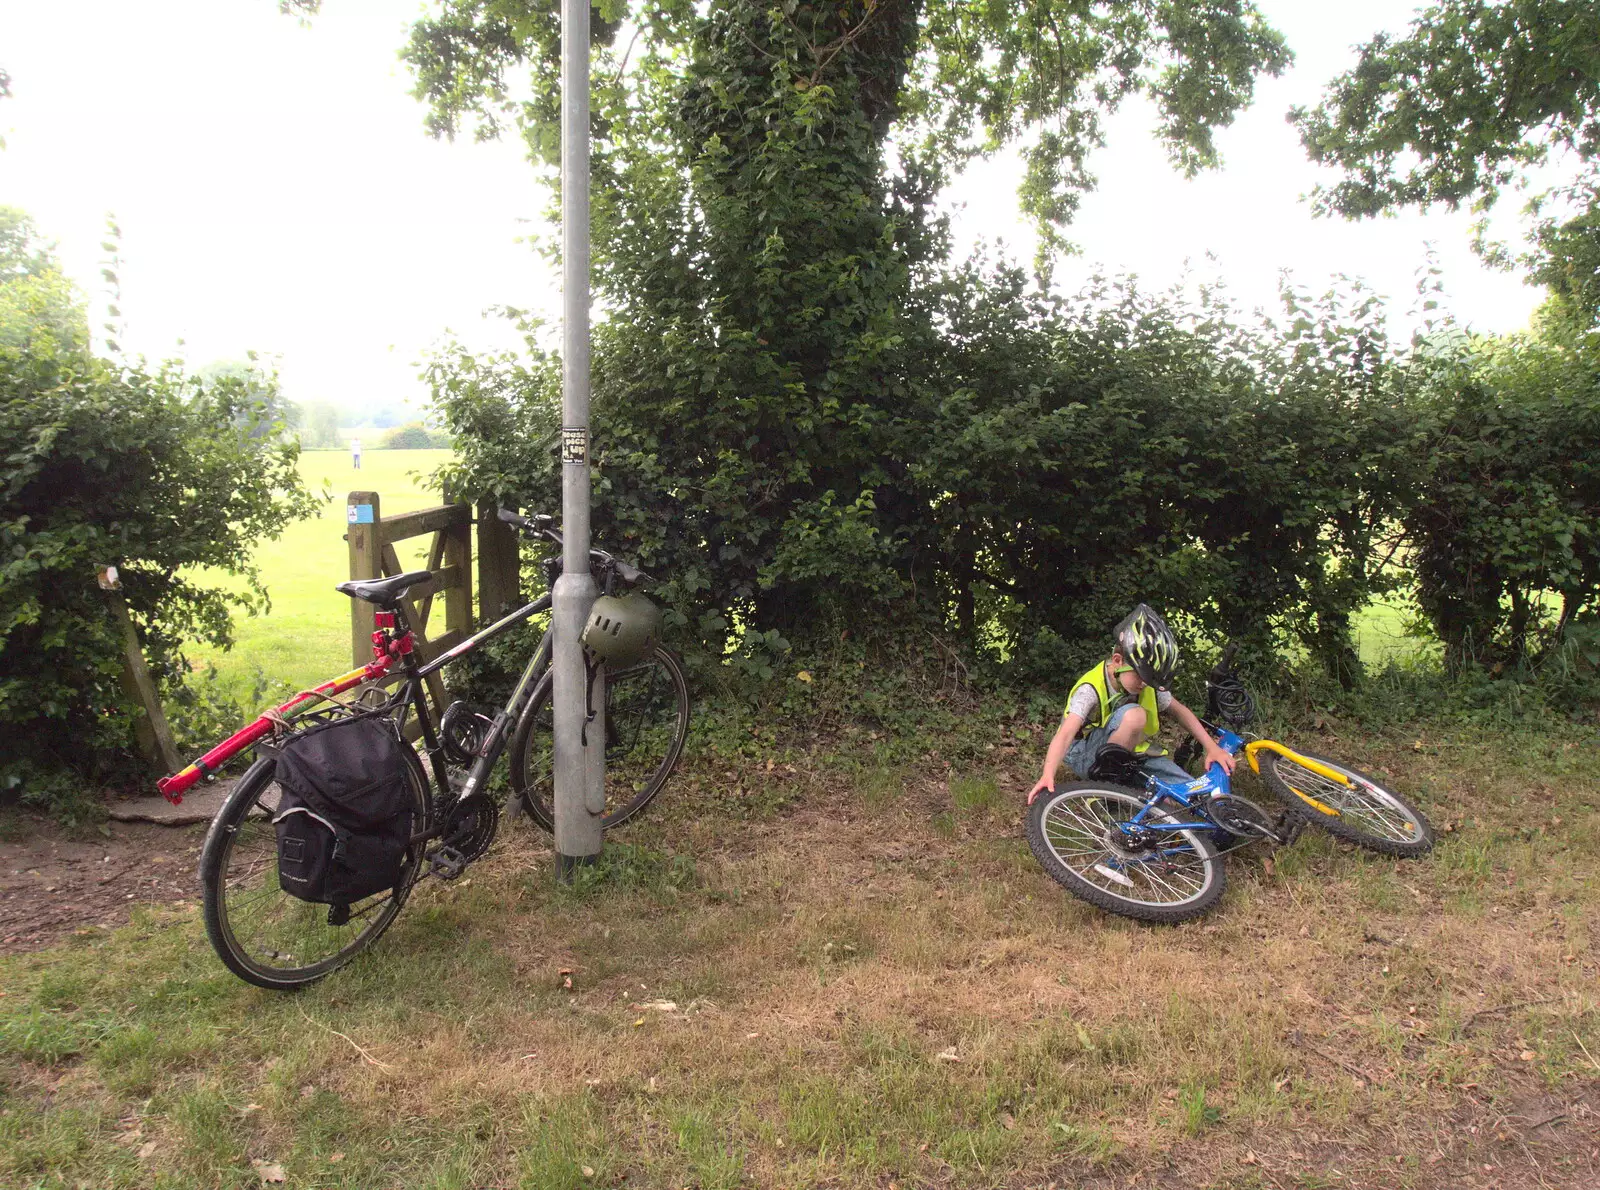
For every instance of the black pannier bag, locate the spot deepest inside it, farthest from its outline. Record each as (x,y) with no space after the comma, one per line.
(344,815)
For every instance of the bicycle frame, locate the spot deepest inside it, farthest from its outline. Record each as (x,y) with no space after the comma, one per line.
(393,645)
(1190,795)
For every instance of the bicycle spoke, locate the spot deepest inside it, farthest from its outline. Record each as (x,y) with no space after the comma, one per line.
(1369,812)
(1080,832)
(1177,894)
(264,933)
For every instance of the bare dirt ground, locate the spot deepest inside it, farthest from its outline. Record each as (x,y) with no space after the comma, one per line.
(55,882)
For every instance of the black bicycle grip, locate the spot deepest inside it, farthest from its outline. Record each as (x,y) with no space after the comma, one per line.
(514,518)
(629,574)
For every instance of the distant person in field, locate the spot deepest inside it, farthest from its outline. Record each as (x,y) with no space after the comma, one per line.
(1117,708)
(355,453)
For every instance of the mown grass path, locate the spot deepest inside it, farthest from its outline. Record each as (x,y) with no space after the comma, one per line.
(871,986)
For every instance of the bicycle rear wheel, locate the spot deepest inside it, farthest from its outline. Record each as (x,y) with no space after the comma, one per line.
(647,721)
(264,935)
(1077,835)
(1363,813)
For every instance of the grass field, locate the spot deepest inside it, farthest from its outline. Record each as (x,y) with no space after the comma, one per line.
(795,975)
(305,638)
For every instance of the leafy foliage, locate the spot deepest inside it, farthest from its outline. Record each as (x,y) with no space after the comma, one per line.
(414,436)
(114,463)
(1476,96)
(320,425)
(955,80)
(1051,461)
(812,425)
(766,261)
(37,303)
(1506,551)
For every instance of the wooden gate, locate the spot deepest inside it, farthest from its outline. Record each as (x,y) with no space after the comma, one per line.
(372,536)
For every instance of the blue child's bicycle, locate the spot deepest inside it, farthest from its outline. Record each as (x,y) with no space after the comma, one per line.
(1155,853)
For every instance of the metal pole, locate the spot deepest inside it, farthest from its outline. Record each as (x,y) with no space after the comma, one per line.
(579,744)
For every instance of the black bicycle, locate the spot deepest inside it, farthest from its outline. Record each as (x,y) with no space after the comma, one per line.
(275,940)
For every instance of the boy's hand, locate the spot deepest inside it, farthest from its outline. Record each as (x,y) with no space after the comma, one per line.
(1215,755)
(1043,783)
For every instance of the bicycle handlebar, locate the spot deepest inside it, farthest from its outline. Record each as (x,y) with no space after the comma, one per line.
(543,525)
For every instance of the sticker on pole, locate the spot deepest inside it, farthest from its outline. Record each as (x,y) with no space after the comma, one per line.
(575,445)
(359,514)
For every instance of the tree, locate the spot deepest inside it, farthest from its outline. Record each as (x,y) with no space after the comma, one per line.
(319,424)
(22,252)
(1476,98)
(114,462)
(764,238)
(1502,532)
(950,80)
(147,469)
(414,436)
(263,409)
(37,301)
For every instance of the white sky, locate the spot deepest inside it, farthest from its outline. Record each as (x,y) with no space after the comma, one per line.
(277,193)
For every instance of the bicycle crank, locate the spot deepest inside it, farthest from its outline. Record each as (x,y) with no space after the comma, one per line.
(468,832)
(1244,819)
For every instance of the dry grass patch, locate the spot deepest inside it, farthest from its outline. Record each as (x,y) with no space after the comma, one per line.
(876,988)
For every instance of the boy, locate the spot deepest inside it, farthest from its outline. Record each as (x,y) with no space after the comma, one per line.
(1122,700)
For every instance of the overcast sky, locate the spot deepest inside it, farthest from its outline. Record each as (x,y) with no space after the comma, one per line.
(277,193)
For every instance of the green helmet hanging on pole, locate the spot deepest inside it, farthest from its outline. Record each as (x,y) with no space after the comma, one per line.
(622,629)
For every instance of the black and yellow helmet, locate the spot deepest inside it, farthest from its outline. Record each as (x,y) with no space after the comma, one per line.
(1147,644)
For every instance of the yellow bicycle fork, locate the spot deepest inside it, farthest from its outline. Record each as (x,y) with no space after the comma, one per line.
(1322,770)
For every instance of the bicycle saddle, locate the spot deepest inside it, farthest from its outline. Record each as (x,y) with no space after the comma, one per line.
(384,591)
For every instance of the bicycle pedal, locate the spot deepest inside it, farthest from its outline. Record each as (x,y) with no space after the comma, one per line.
(446,863)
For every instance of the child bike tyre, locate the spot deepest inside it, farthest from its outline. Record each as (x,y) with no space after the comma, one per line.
(1364,813)
(1167,877)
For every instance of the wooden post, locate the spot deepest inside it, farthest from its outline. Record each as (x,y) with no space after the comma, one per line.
(364,533)
(149,722)
(499,580)
(457,540)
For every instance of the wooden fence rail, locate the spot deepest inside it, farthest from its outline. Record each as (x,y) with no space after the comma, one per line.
(371,537)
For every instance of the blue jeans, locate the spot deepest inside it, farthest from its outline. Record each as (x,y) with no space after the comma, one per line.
(1086,749)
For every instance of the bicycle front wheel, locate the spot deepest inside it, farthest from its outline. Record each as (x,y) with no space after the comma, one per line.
(1081,834)
(263,934)
(1363,812)
(646,723)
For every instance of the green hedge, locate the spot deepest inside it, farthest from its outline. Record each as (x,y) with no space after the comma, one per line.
(1037,466)
(146,469)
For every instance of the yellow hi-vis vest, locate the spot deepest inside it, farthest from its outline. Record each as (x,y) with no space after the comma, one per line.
(1096,677)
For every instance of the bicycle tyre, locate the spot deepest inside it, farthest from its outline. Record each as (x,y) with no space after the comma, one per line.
(647,722)
(251,922)
(1055,818)
(1349,812)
